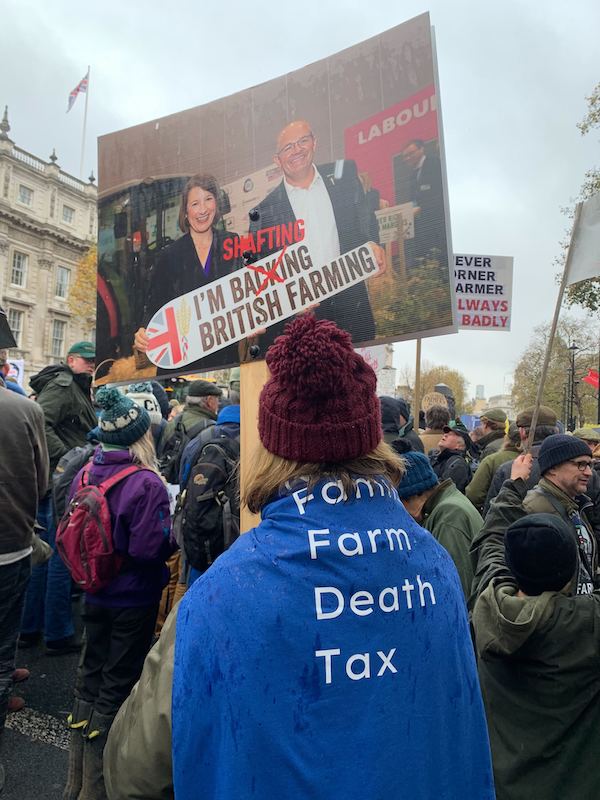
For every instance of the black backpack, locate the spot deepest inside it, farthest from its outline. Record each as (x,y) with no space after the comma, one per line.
(171,451)
(209,507)
(66,469)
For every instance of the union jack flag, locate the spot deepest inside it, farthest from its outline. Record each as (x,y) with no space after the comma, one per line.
(166,348)
(82,86)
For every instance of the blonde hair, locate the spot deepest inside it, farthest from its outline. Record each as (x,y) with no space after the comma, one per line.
(271,473)
(143,452)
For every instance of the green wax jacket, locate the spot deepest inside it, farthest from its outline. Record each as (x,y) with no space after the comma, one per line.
(454,522)
(477,490)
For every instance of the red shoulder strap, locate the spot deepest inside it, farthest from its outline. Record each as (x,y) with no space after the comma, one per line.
(119,476)
(85,475)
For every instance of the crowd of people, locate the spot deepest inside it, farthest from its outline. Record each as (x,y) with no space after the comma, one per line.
(414,615)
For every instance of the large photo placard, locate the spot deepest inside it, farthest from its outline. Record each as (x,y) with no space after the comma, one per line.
(336,160)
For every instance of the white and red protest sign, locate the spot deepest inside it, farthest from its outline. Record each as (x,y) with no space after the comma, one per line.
(244,303)
(483,287)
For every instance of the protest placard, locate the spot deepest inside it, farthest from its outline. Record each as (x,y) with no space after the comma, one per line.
(483,287)
(226,311)
(361,127)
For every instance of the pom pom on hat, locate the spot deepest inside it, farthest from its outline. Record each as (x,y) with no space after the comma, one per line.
(108,396)
(122,422)
(319,405)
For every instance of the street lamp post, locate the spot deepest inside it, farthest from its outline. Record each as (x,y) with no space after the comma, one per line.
(572,383)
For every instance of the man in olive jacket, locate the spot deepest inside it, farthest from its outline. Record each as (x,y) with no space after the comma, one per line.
(538,649)
(565,465)
(63,392)
(493,423)
(442,510)
(481,481)
(545,427)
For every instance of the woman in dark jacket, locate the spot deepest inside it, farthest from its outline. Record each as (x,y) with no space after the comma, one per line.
(199,257)
(120,617)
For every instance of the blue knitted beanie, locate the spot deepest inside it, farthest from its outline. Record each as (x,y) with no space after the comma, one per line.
(419,475)
(122,422)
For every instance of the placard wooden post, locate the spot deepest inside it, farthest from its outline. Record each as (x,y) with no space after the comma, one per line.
(252,378)
(417,392)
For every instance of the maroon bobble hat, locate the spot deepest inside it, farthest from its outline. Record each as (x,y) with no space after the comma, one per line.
(319,404)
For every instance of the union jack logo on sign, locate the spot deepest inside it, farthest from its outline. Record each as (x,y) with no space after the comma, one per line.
(165,346)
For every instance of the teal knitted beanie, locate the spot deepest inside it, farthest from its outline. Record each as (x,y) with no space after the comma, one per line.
(122,422)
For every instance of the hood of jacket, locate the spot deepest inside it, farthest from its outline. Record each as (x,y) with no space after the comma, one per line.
(406,428)
(37,382)
(503,622)
(490,437)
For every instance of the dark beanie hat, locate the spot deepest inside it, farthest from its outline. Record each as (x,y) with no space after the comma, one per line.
(419,475)
(122,422)
(541,553)
(558,448)
(319,404)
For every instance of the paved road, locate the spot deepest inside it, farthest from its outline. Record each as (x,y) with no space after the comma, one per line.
(36,739)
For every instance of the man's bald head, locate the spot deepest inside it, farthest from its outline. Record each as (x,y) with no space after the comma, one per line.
(296,145)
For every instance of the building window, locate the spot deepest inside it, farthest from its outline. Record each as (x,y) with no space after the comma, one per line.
(19,269)
(15,322)
(25,195)
(68,215)
(63,278)
(58,338)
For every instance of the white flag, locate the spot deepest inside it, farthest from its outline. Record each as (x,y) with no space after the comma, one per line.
(585,245)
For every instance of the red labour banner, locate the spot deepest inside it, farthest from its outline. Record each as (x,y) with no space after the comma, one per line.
(374,142)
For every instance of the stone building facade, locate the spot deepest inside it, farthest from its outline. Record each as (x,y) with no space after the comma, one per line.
(48,220)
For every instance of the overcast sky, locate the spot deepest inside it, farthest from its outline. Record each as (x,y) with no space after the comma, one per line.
(513,82)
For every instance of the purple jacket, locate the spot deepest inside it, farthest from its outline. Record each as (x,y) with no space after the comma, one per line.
(141,529)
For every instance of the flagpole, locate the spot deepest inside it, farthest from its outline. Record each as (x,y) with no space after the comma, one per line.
(87,94)
(559,299)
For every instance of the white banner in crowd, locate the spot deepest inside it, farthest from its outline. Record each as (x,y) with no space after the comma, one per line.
(483,286)
(585,246)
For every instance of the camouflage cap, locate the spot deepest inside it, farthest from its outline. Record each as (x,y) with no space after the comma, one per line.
(587,434)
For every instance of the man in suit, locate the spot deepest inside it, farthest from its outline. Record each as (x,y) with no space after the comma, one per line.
(331,201)
(427,195)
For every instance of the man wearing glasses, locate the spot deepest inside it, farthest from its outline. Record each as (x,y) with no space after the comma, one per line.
(63,392)
(565,464)
(331,201)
